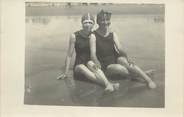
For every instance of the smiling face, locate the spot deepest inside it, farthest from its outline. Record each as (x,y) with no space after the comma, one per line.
(103,19)
(105,23)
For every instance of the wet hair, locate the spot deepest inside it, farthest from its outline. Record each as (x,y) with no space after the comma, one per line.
(88,17)
(102,16)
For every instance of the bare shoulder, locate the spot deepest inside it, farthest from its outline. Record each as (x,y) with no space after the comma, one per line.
(92,37)
(114,34)
(72,38)
(116,39)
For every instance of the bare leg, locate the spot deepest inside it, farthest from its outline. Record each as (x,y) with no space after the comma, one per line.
(150,72)
(135,69)
(85,71)
(100,75)
(151,84)
(117,69)
(123,61)
(95,77)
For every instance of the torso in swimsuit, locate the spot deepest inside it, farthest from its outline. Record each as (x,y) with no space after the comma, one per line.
(105,50)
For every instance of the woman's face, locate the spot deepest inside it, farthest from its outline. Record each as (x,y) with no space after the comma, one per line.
(104,24)
(87,25)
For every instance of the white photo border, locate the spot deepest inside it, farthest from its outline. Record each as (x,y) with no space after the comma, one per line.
(13,60)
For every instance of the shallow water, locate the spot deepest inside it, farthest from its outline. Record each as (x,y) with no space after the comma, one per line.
(142,37)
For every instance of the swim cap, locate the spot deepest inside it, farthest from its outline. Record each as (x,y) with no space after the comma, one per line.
(87,17)
(103,16)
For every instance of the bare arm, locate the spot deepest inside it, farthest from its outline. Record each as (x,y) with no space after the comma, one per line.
(68,57)
(93,50)
(118,46)
(69,52)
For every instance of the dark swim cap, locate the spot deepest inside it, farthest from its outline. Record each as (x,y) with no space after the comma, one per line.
(103,16)
(88,17)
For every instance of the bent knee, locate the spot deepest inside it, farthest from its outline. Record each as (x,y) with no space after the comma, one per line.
(133,68)
(80,68)
(90,64)
(122,61)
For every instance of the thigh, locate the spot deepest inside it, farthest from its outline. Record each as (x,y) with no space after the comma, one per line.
(123,61)
(117,69)
(83,70)
(130,67)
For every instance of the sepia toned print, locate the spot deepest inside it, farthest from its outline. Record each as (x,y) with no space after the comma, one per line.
(140,28)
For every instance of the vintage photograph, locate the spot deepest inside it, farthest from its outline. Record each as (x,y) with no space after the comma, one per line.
(95,54)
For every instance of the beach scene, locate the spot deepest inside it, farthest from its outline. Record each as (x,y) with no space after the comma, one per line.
(141,31)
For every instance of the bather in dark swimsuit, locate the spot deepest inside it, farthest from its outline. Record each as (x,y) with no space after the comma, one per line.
(105,50)
(82,50)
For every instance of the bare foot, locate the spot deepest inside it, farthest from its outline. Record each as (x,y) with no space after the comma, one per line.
(152,85)
(109,88)
(62,76)
(116,86)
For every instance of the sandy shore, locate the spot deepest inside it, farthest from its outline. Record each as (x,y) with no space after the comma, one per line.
(46,45)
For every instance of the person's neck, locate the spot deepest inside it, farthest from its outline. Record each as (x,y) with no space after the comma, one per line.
(84,33)
(103,31)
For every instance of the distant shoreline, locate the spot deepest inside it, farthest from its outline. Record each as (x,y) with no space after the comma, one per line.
(78,10)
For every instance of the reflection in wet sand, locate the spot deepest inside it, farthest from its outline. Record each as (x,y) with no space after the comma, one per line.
(46,46)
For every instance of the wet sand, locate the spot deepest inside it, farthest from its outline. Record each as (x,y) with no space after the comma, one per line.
(46,43)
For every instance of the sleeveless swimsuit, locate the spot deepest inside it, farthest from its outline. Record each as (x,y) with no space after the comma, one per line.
(105,50)
(82,50)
